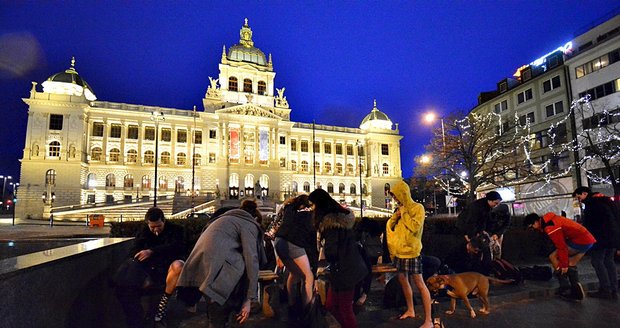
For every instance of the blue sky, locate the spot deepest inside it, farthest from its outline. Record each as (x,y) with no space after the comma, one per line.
(333,57)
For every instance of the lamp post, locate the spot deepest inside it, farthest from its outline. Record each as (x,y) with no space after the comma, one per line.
(430,118)
(4,178)
(14,199)
(359,162)
(157,117)
(48,198)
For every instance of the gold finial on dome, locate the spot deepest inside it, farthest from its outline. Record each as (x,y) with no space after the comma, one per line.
(223,53)
(270,63)
(246,35)
(374,105)
(72,62)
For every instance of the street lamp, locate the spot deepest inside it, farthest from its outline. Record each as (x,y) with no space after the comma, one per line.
(48,199)
(157,117)
(360,148)
(4,178)
(430,118)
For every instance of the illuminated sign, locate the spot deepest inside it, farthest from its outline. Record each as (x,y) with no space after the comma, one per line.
(565,49)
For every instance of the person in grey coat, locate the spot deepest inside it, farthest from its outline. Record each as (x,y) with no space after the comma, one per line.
(224,266)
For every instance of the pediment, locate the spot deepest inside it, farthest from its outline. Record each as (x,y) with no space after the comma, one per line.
(249,110)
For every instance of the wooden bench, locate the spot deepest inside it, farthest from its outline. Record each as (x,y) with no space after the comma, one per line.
(265,279)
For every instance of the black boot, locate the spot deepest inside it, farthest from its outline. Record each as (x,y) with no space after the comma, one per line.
(577,289)
(565,288)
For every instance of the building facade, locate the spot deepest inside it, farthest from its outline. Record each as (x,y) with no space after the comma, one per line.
(242,143)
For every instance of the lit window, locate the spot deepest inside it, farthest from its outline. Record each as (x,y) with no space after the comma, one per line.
(166,134)
(304,166)
(132,156)
(338,168)
(198,137)
(54,149)
(149,157)
(50,177)
(211,158)
(95,154)
(247,85)
(293,166)
(181,159)
(115,131)
(327,148)
(182,136)
(197,160)
(262,88)
(386,169)
(330,188)
(338,149)
(128,181)
(232,83)
(350,150)
(115,155)
(110,180)
(132,132)
(165,158)
(146,182)
(149,133)
(97,129)
(304,146)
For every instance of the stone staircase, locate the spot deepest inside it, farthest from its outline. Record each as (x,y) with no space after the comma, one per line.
(112,212)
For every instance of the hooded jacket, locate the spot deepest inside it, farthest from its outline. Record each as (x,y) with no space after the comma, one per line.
(226,250)
(404,229)
(562,230)
(347,266)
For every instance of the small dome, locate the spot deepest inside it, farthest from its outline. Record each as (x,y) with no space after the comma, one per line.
(376,119)
(245,50)
(69,82)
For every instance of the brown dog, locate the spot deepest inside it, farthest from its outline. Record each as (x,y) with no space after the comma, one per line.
(462,285)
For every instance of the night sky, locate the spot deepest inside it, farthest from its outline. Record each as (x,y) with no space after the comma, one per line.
(333,57)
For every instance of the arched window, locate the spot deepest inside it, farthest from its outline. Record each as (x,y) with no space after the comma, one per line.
(352,189)
(249,185)
(91,180)
(264,184)
(233,180)
(232,84)
(163,183)
(197,160)
(95,154)
(304,166)
(181,159)
(262,88)
(165,158)
(50,177)
(115,155)
(54,149)
(247,85)
(350,169)
(110,180)
(149,157)
(341,188)
(317,166)
(146,182)
(295,187)
(128,181)
(306,186)
(327,167)
(338,168)
(293,166)
(179,185)
(330,188)
(386,169)
(132,156)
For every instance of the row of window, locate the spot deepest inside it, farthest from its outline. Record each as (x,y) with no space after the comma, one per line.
(327,147)
(544,138)
(602,90)
(601,119)
(327,167)
(524,96)
(128,181)
(96,154)
(233,85)
(597,63)
(330,188)
(149,132)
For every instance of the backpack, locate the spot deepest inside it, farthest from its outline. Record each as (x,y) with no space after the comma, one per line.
(372,245)
(504,270)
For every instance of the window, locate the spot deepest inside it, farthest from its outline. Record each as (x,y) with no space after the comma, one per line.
(149,133)
(304,146)
(115,131)
(338,149)
(385,149)
(95,154)
(182,136)
(501,106)
(524,96)
(341,188)
(212,134)
(166,134)
(327,148)
(554,109)
(50,177)
(282,162)
(198,137)
(293,166)
(164,158)
(54,149)
(330,188)
(602,90)
(262,88)
(132,156)
(386,169)
(350,150)
(338,168)
(598,63)
(304,166)
(527,118)
(503,87)
(163,183)
(293,145)
(551,84)
(197,160)
(282,140)
(211,158)
(232,83)
(56,122)
(128,181)
(352,189)
(316,147)
(132,132)
(327,167)
(558,134)
(97,129)
(149,157)
(115,155)
(110,180)
(360,150)
(307,186)
(350,169)
(146,182)
(181,159)
(247,85)
(317,166)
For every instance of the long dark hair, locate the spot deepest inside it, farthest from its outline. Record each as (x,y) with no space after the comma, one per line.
(324,204)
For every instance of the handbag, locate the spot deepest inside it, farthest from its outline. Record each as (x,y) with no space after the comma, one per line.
(315,314)
(133,274)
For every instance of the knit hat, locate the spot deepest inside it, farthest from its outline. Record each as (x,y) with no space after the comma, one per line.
(493,195)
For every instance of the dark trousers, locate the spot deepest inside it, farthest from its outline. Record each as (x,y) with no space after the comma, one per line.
(340,304)
(603,263)
(363,287)
(219,315)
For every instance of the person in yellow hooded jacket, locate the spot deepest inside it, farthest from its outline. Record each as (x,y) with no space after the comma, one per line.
(404,239)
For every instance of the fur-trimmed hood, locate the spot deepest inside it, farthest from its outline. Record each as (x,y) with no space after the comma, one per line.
(337,221)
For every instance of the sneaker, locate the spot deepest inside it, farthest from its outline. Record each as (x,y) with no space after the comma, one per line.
(578,291)
(603,294)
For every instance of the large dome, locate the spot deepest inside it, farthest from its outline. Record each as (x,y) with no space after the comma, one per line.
(245,50)
(70,83)
(376,119)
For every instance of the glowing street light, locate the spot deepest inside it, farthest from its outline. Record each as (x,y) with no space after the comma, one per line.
(157,117)
(425,159)
(430,118)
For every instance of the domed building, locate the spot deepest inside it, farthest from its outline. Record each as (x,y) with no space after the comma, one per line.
(242,143)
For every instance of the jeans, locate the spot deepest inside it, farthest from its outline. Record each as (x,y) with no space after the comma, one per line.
(603,263)
(340,304)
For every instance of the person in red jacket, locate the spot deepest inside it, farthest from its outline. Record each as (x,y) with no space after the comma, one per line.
(571,241)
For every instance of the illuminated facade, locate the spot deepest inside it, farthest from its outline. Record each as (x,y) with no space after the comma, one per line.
(85,150)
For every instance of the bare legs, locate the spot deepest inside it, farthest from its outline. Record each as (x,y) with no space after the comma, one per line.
(406,281)
(300,270)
